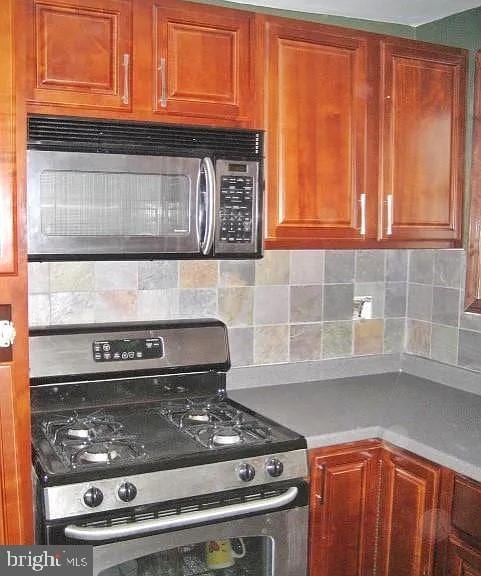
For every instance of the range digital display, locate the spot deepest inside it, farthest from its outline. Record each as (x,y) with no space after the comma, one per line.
(126,349)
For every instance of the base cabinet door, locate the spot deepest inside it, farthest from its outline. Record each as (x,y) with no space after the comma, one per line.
(422,142)
(463,560)
(410,491)
(344,492)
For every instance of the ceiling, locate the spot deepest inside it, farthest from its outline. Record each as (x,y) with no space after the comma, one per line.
(411,12)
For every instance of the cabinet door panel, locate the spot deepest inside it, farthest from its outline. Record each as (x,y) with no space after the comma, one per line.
(408,517)
(344,489)
(422,141)
(202,62)
(317,113)
(463,560)
(80,53)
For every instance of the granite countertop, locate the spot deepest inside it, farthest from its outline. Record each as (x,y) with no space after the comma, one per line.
(432,420)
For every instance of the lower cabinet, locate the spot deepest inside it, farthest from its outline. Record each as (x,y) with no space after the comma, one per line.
(463,560)
(373,511)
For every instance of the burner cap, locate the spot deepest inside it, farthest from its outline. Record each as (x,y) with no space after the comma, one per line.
(79,431)
(198,415)
(226,436)
(99,454)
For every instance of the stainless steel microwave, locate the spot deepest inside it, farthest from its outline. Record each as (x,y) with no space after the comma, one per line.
(99,189)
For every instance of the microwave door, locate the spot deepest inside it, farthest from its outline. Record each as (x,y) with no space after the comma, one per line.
(206,206)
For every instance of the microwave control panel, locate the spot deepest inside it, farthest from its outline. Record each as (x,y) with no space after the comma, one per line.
(237,201)
(127,349)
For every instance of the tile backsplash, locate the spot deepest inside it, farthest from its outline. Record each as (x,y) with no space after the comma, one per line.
(287,307)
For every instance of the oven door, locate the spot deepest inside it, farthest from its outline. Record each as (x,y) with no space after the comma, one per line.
(95,204)
(272,544)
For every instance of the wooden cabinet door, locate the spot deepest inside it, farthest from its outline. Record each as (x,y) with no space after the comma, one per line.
(410,488)
(316,101)
(344,495)
(422,147)
(202,64)
(463,560)
(80,53)
(16,526)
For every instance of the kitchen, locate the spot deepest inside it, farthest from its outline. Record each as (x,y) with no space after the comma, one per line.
(290,313)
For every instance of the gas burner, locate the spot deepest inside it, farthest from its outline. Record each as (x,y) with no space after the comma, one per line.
(97,454)
(90,427)
(200,411)
(80,431)
(197,415)
(226,436)
(107,452)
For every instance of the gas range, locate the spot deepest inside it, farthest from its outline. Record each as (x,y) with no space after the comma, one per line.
(130,417)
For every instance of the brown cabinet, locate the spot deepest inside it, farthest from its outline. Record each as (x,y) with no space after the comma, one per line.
(316,94)
(463,560)
(143,59)
(365,138)
(344,495)
(422,142)
(410,491)
(202,61)
(80,53)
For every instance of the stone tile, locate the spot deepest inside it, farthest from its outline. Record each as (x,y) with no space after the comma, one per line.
(71,276)
(116,306)
(271,304)
(370,265)
(444,344)
(368,337)
(38,278)
(418,337)
(305,342)
(396,265)
(336,339)
(201,303)
(376,291)
(158,274)
(72,308)
(116,275)
(396,299)
(445,306)
(157,304)
(469,354)
(339,266)
(273,268)
(421,266)
(241,344)
(306,303)
(394,330)
(236,305)
(237,273)
(198,274)
(448,268)
(38,310)
(307,266)
(338,301)
(271,344)
(420,301)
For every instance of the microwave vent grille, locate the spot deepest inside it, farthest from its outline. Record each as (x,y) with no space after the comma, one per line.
(118,137)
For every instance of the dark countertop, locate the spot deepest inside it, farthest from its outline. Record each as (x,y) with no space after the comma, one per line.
(432,420)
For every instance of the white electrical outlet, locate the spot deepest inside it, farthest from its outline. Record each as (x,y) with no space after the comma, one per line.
(362,307)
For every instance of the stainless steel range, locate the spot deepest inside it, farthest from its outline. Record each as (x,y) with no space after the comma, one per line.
(138,450)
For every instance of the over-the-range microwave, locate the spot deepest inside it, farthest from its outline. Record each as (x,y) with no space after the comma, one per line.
(101,189)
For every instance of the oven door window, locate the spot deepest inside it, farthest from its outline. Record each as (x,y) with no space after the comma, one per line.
(248,556)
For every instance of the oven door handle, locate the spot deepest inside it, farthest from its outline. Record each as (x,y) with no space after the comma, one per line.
(88,533)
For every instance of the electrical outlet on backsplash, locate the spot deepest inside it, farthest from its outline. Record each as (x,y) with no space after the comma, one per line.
(291,306)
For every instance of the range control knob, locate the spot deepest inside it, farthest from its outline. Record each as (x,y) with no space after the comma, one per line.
(246,472)
(274,467)
(127,492)
(93,497)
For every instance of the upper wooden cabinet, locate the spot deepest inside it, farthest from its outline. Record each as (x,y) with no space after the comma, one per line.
(422,121)
(410,491)
(80,53)
(463,559)
(149,60)
(365,138)
(202,63)
(316,93)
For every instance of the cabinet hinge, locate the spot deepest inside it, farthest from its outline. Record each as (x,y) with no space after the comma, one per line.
(7,334)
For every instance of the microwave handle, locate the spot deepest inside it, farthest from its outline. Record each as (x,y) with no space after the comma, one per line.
(207,242)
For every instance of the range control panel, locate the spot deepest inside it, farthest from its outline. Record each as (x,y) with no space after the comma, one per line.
(121,350)
(236,194)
